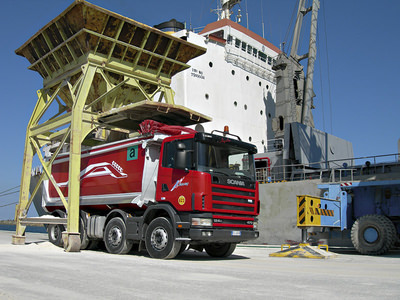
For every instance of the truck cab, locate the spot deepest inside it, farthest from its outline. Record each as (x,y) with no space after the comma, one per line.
(209,180)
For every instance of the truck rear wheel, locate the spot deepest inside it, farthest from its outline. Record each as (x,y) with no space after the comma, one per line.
(54,232)
(160,239)
(115,237)
(220,249)
(82,230)
(373,234)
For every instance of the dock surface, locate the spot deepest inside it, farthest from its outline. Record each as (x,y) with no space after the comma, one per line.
(40,270)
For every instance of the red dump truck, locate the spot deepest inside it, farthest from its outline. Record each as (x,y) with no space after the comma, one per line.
(168,188)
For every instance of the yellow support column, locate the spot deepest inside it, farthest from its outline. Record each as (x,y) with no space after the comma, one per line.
(21,208)
(19,237)
(72,241)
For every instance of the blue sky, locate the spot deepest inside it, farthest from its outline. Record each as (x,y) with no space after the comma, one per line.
(362,36)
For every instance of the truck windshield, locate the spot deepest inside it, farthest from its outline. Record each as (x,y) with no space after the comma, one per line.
(225,159)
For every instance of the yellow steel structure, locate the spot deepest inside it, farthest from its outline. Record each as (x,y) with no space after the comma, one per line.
(101,71)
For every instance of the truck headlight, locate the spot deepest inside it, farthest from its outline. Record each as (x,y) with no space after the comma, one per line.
(201,222)
(255,225)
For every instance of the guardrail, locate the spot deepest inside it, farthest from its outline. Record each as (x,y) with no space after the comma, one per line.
(349,169)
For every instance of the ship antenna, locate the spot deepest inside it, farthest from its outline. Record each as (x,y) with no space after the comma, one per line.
(262,19)
(247,16)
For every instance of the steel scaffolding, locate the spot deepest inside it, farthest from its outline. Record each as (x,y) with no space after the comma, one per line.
(101,72)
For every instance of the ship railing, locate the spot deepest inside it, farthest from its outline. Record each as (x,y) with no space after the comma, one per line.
(247,62)
(339,170)
(198,29)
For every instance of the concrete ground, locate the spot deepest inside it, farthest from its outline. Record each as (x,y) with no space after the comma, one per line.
(39,270)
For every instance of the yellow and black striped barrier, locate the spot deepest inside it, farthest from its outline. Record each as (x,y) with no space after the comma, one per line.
(315,211)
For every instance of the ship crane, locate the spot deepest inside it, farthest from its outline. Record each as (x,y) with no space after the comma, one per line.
(294,89)
(298,144)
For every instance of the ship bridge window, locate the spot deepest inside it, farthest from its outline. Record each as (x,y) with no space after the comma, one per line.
(237,43)
(254,52)
(249,49)
(244,45)
(230,39)
(262,56)
(269,60)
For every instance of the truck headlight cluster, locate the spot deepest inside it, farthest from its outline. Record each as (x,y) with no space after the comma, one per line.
(201,222)
(255,225)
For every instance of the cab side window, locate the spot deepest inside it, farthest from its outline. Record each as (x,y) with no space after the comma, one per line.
(170,149)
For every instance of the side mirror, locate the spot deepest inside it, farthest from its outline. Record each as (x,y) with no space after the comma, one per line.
(180,156)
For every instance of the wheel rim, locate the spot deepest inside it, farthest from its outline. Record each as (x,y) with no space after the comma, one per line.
(55,232)
(115,236)
(159,238)
(371,235)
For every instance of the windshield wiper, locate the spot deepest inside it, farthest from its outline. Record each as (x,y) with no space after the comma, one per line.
(219,172)
(244,176)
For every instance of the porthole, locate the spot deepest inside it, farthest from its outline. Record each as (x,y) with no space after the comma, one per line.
(259,83)
(261,112)
(249,138)
(269,115)
(247,78)
(210,64)
(233,72)
(262,142)
(235,104)
(245,107)
(207,96)
(267,86)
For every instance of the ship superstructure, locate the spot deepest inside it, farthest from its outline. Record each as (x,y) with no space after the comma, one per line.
(233,82)
(260,92)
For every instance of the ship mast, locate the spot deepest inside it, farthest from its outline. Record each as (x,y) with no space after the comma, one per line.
(226,10)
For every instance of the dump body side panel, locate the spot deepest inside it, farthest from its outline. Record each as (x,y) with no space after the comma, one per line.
(111,174)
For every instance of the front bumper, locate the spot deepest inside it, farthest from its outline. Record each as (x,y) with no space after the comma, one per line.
(222,235)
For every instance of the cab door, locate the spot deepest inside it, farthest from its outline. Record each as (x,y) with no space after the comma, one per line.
(175,178)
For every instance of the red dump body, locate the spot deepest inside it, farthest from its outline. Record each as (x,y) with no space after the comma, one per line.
(110,175)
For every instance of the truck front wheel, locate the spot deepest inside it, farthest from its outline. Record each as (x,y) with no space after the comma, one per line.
(115,237)
(160,240)
(220,249)
(373,234)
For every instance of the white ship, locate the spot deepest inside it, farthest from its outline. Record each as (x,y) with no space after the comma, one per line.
(236,82)
(233,82)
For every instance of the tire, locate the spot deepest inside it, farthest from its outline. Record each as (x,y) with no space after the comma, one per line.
(82,230)
(115,237)
(160,239)
(183,248)
(373,234)
(220,250)
(55,234)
